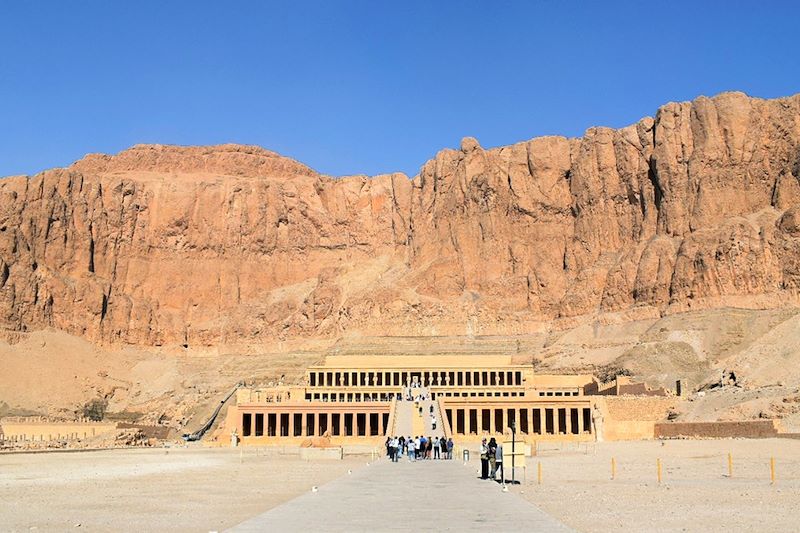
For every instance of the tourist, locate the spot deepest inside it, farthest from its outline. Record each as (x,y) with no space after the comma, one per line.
(450,448)
(388,447)
(484,460)
(499,463)
(491,452)
(433,422)
(395,445)
(402,448)
(412,447)
(423,446)
(436,448)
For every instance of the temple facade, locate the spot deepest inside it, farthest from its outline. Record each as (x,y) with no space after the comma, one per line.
(362,399)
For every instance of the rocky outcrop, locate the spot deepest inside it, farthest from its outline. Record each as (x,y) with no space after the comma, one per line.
(207,246)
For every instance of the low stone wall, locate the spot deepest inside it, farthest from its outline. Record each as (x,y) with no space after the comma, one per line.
(17,430)
(628,430)
(751,429)
(315,454)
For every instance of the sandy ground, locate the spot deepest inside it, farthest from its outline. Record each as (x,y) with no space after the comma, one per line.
(696,493)
(151,490)
(211,489)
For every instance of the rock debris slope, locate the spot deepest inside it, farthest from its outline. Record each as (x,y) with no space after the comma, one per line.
(696,208)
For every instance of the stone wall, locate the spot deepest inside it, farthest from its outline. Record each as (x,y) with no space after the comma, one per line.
(638,408)
(751,429)
(632,417)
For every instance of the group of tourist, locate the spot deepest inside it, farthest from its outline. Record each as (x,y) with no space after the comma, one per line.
(414,392)
(491,459)
(419,448)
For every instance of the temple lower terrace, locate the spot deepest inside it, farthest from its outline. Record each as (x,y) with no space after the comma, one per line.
(354,399)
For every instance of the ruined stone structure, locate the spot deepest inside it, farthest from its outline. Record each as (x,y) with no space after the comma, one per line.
(39,429)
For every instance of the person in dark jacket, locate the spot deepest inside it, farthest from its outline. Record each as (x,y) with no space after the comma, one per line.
(492,451)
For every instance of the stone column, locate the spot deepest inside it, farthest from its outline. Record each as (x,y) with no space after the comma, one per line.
(467,421)
(290,429)
(342,429)
(381,429)
(368,422)
(491,421)
(253,423)
(580,420)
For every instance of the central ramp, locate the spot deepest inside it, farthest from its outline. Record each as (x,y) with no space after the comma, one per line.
(403,496)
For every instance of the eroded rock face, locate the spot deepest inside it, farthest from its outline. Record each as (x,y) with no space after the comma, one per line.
(163,245)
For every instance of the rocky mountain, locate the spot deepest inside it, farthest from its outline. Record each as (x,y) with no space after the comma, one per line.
(696,208)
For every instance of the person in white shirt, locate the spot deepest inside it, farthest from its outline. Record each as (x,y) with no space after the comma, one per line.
(484,460)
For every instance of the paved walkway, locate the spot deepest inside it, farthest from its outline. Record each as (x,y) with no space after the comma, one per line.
(403,496)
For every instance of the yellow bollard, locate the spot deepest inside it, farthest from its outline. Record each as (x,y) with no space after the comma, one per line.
(539,473)
(772,470)
(658,468)
(613,468)
(730,465)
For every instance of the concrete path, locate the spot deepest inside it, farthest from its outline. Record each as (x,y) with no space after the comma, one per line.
(403,496)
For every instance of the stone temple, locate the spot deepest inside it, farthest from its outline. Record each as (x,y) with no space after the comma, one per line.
(362,399)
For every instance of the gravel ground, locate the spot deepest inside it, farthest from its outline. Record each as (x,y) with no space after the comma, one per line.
(173,489)
(696,493)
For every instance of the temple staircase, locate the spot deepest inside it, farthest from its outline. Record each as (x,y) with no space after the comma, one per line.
(403,419)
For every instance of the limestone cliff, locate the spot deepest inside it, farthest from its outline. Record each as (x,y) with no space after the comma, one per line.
(205,246)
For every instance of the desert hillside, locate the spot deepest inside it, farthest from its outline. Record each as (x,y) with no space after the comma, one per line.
(670,248)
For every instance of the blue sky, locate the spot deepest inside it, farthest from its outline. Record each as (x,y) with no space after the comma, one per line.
(366,87)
